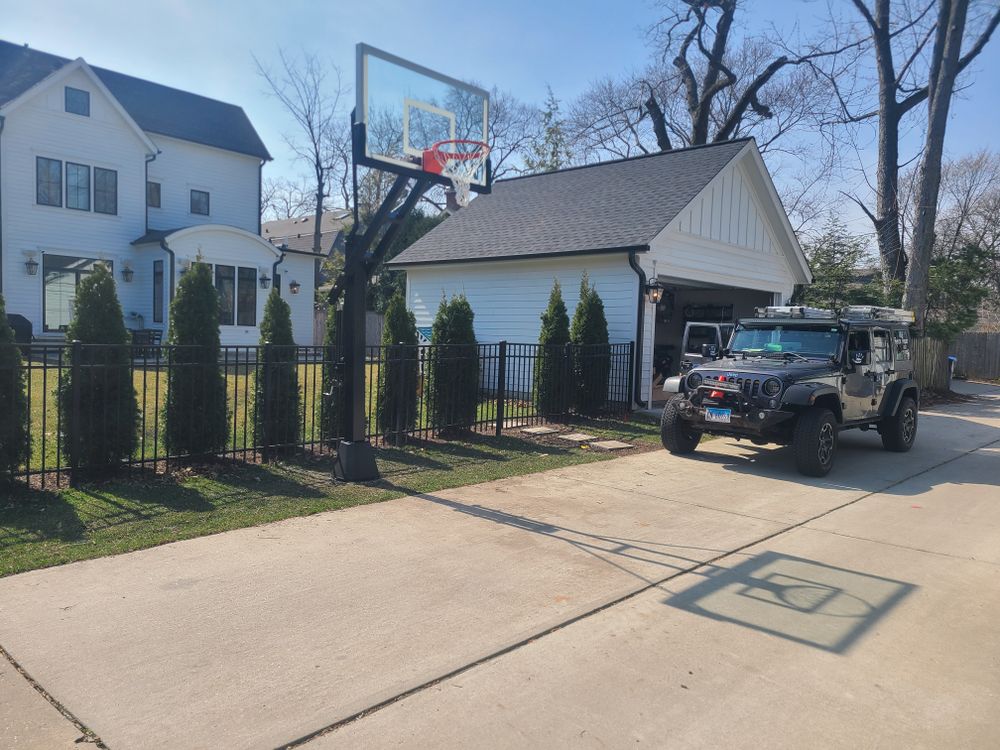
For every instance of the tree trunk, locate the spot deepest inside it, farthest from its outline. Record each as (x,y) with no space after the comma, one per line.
(944,69)
(318,229)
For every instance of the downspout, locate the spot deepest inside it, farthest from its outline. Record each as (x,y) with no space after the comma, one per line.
(274,270)
(170,253)
(640,314)
(2,121)
(260,195)
(149,158)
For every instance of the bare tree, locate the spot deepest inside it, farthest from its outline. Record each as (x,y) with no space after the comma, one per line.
(513,128)
(311,92)
(285,199)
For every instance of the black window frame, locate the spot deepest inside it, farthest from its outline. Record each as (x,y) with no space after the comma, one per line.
(208,203)
(79,275)
(58,192)
(158,291)
(224,319)
(67,185)
(149,194)
(67,99)
(246,284)
(99,194)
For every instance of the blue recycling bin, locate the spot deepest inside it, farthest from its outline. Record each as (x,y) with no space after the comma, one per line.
(952,359)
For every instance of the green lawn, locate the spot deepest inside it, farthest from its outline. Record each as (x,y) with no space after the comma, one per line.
(43,528)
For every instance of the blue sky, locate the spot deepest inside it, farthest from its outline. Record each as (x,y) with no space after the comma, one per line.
(206,47)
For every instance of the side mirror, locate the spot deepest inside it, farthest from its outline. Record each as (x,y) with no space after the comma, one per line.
(710,350)
(861,357)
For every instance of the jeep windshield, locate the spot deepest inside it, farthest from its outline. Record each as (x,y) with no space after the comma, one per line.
(819,340)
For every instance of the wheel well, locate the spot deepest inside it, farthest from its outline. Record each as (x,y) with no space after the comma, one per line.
(831,402)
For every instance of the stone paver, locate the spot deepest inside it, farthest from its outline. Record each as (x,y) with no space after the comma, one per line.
(611,445)
(541,430)
(578,437)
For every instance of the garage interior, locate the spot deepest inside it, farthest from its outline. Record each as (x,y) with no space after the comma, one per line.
(686,302)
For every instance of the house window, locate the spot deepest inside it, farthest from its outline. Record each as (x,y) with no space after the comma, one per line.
(246,297)
(77,101)
(199,202)
(225,285)
(62,274)
(105,191)
(77,186)
(48,181)
(157,291)
(153,194)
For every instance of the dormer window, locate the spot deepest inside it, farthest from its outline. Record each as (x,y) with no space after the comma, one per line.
(77,101)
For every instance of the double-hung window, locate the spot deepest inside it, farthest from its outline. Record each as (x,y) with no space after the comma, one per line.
(153,194)
(77,101)
(105,191)
(77,186)
(48,181)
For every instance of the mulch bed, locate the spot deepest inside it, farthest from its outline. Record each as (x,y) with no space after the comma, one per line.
(931,398)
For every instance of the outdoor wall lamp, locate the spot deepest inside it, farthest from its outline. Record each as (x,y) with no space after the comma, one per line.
(127,274)
(265,280)
(294,287)
(654,292)
(31,266)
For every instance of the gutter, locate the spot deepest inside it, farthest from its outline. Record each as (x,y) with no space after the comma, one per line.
(640,314)
(2,121)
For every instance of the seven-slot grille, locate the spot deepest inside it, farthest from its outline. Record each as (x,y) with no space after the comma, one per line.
(750,387)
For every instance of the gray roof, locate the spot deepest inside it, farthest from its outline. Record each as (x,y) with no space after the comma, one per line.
(605,207)
(155,108)
(296,234)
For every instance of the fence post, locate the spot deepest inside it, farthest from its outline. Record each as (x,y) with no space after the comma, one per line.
(398,401)
(74,433)
(501,386)
(631,397)
(264,413)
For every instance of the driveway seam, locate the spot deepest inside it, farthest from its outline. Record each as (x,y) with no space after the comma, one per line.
(307,738)
(89,735)
(885,543)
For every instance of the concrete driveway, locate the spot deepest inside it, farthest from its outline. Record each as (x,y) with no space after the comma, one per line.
(720,600)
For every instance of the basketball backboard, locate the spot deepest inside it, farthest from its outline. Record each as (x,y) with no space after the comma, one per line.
(404,109)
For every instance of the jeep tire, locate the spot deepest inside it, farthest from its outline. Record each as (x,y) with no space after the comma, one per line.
(677,435)
(815,441)
(899,431)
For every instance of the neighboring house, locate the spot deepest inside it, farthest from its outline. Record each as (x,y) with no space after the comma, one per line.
(297,235)
(97,166)
(708,218)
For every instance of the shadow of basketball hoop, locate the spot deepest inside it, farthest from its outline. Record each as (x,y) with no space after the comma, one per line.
(805,601)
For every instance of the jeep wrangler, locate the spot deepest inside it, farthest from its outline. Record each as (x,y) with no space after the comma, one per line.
(799,376)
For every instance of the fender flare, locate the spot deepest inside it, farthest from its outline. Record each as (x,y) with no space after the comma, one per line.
(807,394)
(672,384)
(902,387)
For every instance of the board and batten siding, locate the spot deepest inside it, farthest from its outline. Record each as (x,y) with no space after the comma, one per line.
(509,296)
(40,126)
(230,179)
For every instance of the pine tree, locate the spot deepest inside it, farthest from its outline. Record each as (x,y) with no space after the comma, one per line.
(330,425)
(836,258)
(591,355)
(453,377)
(551,364)
(14,437)
(195,418)
(397,377)
(277,405)
(552,152)
(99,420)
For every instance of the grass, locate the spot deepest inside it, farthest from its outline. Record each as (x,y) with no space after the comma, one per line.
(44,528)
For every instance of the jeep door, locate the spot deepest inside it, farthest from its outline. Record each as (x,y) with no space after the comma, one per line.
(859,388)
(696,334)
(883,364)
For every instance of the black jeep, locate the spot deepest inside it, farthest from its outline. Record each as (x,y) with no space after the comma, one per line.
(798,376)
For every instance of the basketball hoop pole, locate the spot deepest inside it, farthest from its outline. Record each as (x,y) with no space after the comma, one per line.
(355,456)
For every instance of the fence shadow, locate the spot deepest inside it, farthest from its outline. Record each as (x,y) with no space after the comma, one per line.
(37,516)
(801,600)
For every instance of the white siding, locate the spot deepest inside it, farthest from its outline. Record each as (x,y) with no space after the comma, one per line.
(41,127)
(230,179)
(509,296)
(300,268)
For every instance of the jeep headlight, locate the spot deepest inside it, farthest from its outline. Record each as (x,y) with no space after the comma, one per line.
(771,387)
(694,380)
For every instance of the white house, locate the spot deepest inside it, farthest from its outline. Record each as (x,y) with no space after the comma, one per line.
(707,219)
(97,166)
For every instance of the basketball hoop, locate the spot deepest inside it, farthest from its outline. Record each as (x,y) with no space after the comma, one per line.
(458,160)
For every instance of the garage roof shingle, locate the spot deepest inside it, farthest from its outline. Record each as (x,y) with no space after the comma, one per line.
(614,205)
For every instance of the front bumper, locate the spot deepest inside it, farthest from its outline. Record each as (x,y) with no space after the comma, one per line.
(745,417)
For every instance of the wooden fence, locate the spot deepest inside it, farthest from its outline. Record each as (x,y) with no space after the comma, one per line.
(978,355)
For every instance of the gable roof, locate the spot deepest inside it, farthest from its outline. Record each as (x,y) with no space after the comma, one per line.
(605,207)
(155,108)
(296,234)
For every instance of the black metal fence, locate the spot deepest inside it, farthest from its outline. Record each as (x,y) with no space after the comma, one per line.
(412,392)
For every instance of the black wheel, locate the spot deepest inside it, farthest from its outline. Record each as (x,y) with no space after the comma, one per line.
(677,435)
(815,442)
(900,430)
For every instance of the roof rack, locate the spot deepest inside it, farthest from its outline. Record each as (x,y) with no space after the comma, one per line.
(874,312)
(795,311)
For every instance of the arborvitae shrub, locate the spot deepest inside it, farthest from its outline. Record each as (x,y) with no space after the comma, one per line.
(592,357)
(14,445)
(277,406)
(100,422)
(454,367)
(397,377)
(551,366)
(195,417)
(332,388)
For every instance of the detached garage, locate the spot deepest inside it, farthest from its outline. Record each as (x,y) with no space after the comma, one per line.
(704,222)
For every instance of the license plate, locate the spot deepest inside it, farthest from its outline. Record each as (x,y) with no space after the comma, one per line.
(718,415)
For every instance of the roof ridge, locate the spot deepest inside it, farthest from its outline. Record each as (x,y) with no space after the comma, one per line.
(640,157)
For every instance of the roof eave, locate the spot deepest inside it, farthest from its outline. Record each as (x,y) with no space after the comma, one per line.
(396,263)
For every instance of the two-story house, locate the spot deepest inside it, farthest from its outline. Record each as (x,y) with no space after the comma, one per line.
(97,166)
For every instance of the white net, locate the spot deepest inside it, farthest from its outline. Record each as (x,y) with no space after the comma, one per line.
(460,161)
